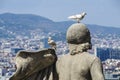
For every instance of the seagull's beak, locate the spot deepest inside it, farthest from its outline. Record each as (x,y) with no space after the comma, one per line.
(84,13)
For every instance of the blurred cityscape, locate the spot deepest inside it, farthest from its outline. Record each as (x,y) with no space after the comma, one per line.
(107,49)
(31,32)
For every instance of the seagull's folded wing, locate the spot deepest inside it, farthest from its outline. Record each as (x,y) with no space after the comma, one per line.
(72,17)
(79,16)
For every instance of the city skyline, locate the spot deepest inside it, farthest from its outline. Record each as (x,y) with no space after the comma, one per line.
(100,12)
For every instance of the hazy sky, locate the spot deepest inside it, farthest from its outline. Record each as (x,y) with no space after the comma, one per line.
(100,12)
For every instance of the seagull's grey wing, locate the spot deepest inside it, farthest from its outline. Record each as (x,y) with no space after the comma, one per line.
(72,17)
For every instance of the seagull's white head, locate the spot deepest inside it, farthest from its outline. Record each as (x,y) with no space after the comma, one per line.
(49,38)
(84,13)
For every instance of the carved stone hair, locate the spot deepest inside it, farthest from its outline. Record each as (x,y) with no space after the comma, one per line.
(78,38)
(75,49)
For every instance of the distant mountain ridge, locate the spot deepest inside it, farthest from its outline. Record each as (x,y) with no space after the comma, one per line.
(22,24)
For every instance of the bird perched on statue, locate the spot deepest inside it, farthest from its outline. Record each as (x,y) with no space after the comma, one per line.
(78,17)
(51,43)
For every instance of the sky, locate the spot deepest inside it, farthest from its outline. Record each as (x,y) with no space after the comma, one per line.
(99,12)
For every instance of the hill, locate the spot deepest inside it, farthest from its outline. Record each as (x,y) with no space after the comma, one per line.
(12,25)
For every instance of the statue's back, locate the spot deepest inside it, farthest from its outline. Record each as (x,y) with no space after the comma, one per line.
(77,67)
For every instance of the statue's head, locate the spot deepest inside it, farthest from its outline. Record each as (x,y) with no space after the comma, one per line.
(78,38)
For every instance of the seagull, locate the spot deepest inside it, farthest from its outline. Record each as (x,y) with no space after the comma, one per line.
(51,43)
(78,17)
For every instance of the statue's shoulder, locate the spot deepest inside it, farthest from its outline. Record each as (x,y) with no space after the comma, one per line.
(90,57)
(65,56)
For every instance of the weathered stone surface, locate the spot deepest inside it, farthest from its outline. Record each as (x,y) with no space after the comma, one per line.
(78,33)
(78,38)
(34,65)
(82,66)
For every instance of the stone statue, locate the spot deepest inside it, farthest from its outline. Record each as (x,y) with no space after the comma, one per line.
(39,65)
(79,64)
